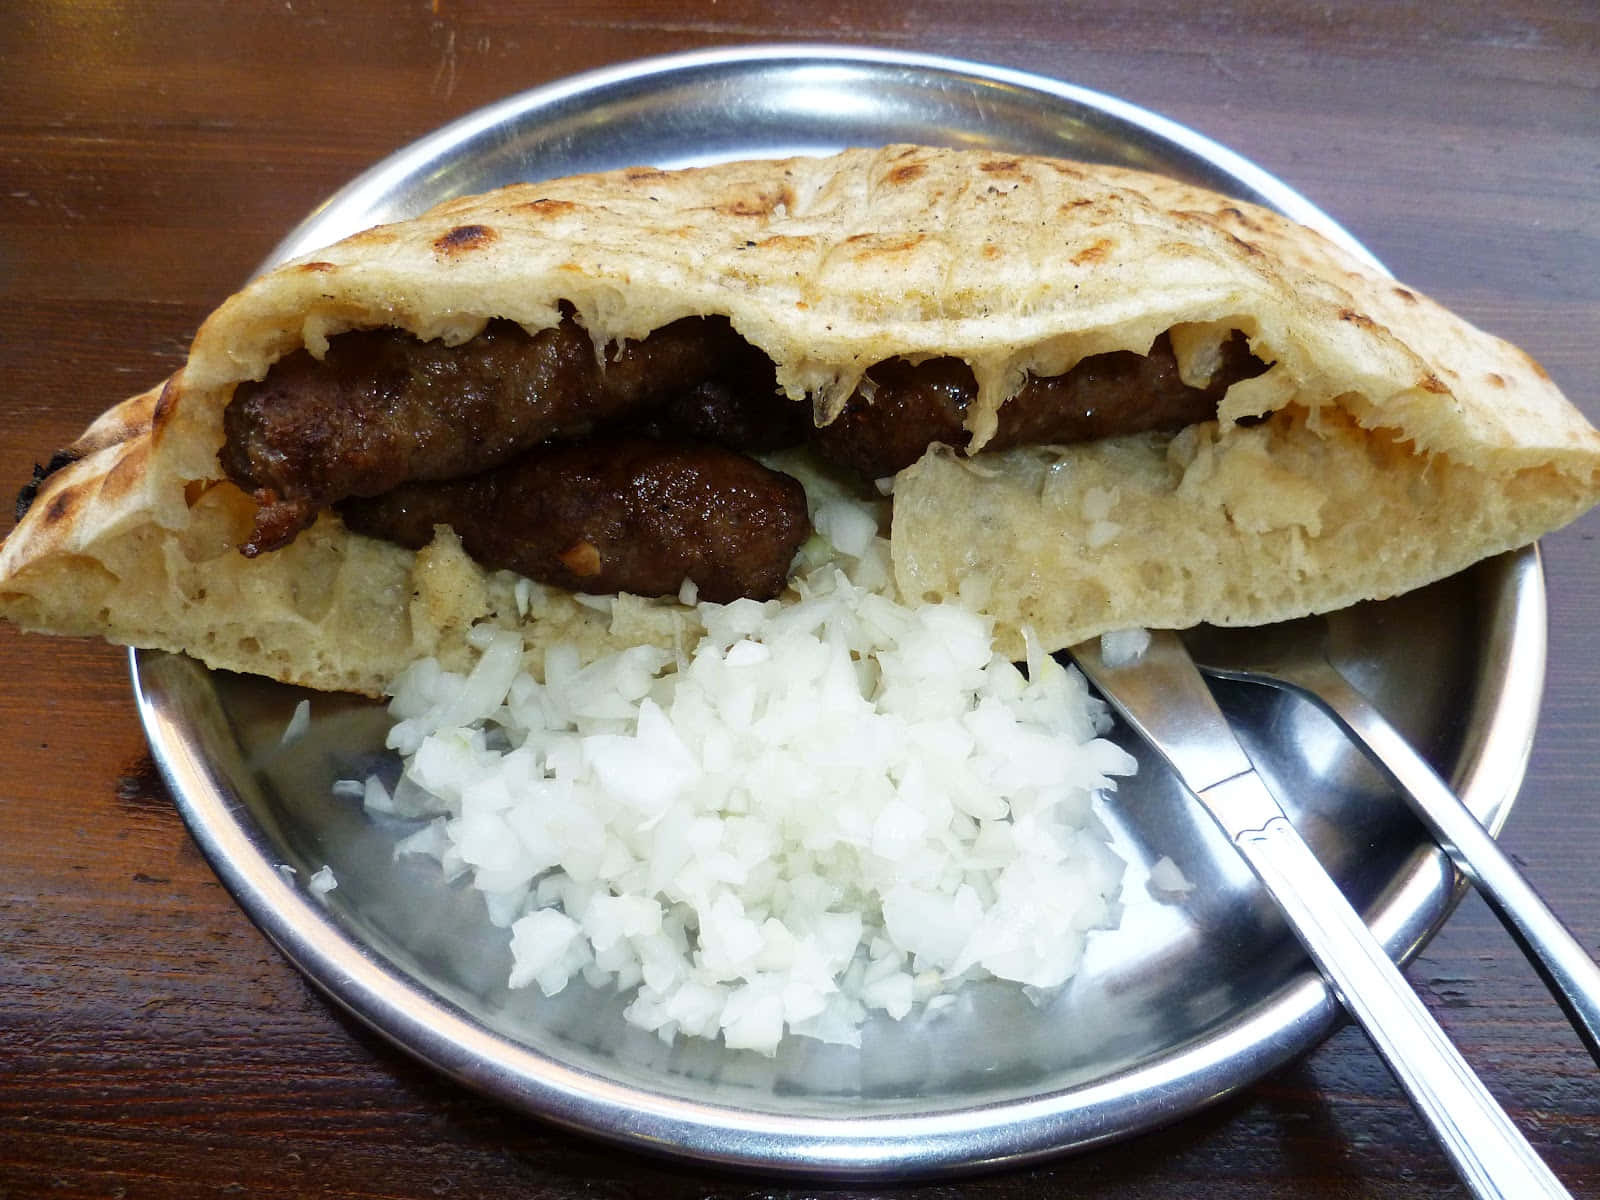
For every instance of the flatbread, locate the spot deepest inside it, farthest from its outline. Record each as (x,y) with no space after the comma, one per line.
(1389,444)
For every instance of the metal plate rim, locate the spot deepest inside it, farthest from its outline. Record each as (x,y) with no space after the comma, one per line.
(380,178)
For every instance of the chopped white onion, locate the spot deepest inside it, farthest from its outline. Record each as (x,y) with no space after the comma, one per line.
(322,882)
(299,722)
(1124,647)
(832,806)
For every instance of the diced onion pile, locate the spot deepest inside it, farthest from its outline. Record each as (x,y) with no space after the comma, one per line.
(829,807)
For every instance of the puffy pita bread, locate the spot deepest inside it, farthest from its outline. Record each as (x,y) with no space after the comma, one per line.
(1390,443)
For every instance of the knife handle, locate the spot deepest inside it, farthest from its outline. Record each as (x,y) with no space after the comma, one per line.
(1488,1151)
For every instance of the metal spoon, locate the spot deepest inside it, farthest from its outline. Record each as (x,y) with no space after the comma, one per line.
(1298,657)
(1164,698)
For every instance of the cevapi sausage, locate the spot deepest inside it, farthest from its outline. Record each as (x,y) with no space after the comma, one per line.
(888,425)
(630,514)
(382,408)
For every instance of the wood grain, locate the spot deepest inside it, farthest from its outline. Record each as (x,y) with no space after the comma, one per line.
(153,1043)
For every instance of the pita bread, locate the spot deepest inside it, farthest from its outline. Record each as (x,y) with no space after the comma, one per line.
(1389,444)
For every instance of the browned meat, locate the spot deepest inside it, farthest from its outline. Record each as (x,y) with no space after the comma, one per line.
(741,411)
(1104,395)
(382,408)
(910,408)
(628,515)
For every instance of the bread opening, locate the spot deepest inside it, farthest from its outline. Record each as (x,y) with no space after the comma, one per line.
(535,445)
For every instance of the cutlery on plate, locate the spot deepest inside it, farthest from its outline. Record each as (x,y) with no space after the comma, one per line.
(1164,699)
(1299,657)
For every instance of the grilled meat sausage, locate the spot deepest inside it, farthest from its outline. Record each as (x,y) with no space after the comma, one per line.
(631,515)
(742,411)
(1104,395)
(381,408)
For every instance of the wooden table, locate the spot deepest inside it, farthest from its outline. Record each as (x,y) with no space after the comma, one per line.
(153,1043)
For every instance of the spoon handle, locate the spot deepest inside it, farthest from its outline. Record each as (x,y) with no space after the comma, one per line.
(1563,963)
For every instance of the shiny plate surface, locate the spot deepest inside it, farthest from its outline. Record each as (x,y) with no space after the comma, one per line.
(1185,1002)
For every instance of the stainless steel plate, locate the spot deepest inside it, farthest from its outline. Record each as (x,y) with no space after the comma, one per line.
(1183,1003)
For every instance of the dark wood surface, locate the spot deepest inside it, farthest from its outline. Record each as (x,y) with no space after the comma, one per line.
(153,1043)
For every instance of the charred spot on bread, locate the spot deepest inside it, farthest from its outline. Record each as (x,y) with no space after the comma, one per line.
(546,207)
(30,490)
(463,238)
